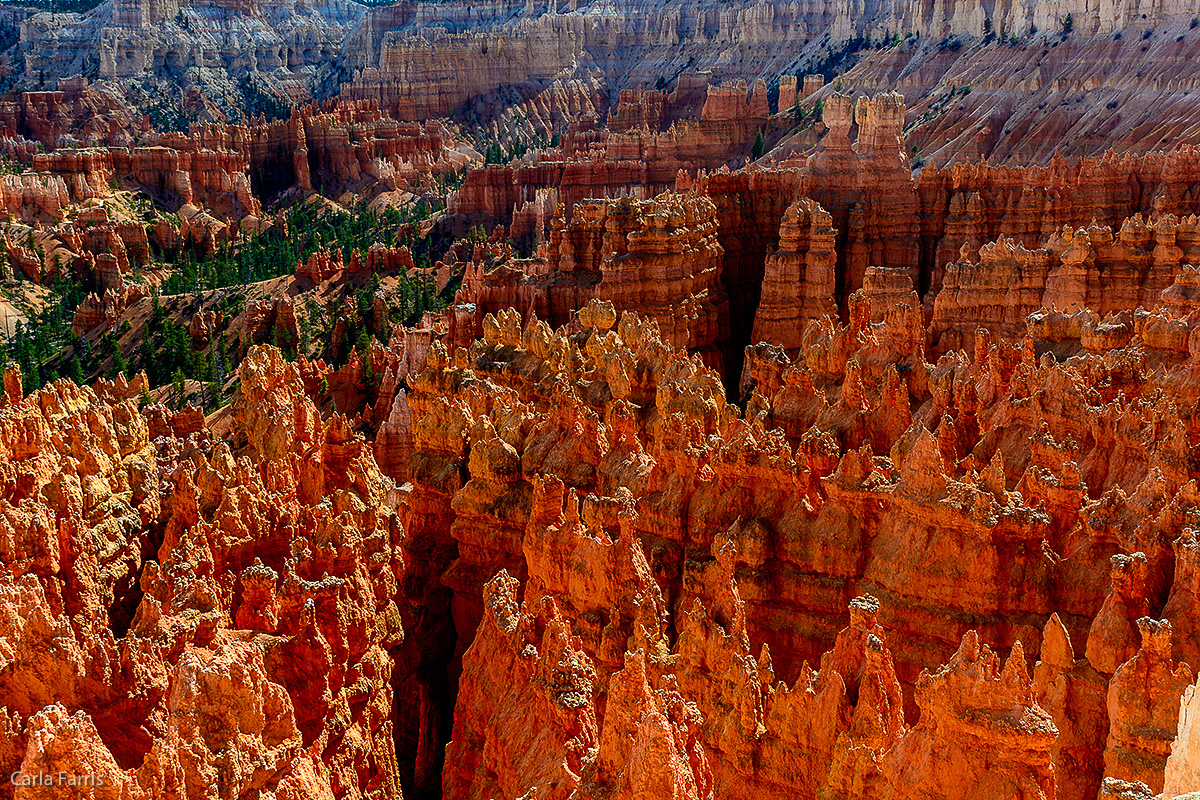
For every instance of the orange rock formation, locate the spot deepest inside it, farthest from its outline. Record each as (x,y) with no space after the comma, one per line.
(737,525)
(123,660)
(945,547)
(686,567)
(661,256)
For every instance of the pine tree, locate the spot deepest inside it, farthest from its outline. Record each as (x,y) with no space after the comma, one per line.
(178,387)
(217,374)
(75,371)
(759,146)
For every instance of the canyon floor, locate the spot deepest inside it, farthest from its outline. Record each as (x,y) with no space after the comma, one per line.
(597,400)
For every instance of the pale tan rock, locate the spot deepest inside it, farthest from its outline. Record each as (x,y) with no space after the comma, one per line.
(1144,706)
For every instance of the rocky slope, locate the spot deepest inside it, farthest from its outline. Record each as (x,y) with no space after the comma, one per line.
(1126,83)
(1007,82)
